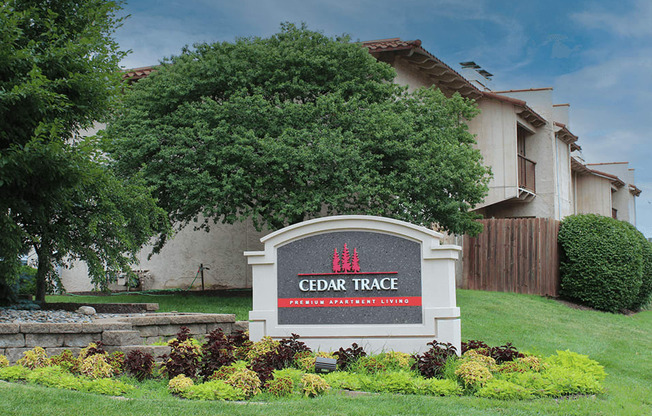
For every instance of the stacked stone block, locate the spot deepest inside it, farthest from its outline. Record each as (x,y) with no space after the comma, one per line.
(124,334)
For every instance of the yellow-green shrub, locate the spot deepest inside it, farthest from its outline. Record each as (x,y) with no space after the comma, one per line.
(4,362)
(34,358)
(213,390)
(474,373)
(262,347)
(245,380)
(280,386)
(179,383)
(96,366)
(504,390)
(313,385)
(107,386)
(54,376)
(438,387)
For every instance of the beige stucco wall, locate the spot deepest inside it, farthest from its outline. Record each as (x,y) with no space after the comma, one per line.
(495,130)
(221,250)
(592,195)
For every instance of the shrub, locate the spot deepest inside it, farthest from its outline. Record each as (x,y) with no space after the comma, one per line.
(213,390)
(280,386)
(217,352)
(347,381)
(96,366)
(14,373)
(184,357)
(369,364)
(432,362)
(313,385)
(262,347)
(291,373)
(396,382)
(92,349)
(179,384)
(34,358)
(345,357)
(107,386)
(474,373)
(66,360)
(582,363)
(245,380)
(54,376)
(601,262)
(503,390)
(644,295)
(117,362)
(4,362)
(139,364)
(473,345)
(437,387)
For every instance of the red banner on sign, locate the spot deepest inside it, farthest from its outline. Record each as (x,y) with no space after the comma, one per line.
(348,302)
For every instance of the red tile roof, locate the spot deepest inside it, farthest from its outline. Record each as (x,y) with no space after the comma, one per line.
(411,50)
(132,75)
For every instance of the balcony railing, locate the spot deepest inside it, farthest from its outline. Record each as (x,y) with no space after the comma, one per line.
(526,173)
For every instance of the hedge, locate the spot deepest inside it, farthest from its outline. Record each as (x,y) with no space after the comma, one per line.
(604,263)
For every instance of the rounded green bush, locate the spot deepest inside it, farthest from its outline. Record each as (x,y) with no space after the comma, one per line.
(643,297)
(601,261)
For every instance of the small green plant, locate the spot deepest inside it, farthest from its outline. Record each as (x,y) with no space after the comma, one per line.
(179,384)
(347,381)
(65,360)
(96,366)
(14,373)
(34,358)
(245,380)
(262,347)
(54,376)
(4,362)
(396,382)
(280,386)
(573,360)
(139,364)
(313,385)
(438,387)
(213,390)
(474,373)
(503,390)
(107,386)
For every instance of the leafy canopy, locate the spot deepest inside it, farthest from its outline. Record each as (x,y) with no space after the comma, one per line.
(294,126)
(58,74)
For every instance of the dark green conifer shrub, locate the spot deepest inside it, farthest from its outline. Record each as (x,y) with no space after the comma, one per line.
(601,262)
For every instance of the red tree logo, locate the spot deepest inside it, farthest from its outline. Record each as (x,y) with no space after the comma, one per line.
(346,260)
(355,268)
(336,262)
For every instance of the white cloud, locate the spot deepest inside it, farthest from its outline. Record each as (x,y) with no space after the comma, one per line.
(636,22)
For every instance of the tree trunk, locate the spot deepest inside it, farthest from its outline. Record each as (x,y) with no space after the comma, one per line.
(42,272)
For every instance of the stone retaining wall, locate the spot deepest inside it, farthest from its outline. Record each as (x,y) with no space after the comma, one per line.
(124,333)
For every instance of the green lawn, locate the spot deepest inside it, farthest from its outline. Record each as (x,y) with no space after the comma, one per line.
(239,305)
(623,344)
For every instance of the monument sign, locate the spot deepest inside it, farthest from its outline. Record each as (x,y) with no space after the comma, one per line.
(381,283)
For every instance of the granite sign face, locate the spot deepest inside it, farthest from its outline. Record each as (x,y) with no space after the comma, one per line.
(349,277)
(382,283)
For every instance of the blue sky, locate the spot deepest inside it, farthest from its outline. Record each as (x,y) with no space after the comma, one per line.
(596,54)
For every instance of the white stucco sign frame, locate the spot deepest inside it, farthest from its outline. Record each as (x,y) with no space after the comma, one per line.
(440,316)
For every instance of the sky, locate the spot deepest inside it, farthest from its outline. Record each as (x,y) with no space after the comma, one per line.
(596,54)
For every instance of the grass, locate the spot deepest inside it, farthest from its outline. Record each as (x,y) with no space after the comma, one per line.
(168,302)
(535,324)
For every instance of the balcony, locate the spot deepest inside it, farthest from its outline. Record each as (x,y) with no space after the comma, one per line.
(526,177)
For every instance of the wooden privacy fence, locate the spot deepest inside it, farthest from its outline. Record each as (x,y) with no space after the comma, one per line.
(513,255)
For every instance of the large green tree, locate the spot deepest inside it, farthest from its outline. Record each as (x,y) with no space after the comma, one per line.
(58,75)
(289,127)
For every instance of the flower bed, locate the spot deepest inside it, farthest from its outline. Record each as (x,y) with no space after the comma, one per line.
(230,367)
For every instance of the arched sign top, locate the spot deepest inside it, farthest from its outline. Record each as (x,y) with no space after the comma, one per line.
(351,222)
